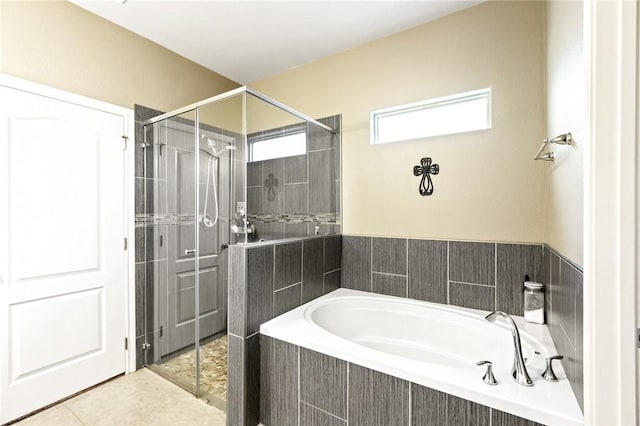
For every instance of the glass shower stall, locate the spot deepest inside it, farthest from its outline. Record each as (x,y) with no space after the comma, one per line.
(238,168)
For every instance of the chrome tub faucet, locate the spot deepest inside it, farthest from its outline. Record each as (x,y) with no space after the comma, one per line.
(519,370)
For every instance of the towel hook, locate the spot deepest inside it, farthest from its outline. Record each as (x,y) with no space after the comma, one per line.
(564,139)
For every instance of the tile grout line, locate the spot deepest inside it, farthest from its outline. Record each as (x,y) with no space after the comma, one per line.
(495,276)
(320,409)
(448,276)
(288,287)
(371,264)
(407,266)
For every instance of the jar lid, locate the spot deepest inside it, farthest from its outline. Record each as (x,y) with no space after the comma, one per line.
(533,285)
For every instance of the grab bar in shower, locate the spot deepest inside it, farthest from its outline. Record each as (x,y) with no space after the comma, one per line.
(564,139)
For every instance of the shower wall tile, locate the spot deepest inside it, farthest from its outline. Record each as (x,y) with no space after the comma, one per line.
(321,186)
(428,407)
(278,383)
(463,412)
(252,390)
(140,241)
(142,113)
(389,255)
(140,298)
(500,418)
(376,398)
(333,392)
(295,169)
(140,198)
(391,285)
(288,266)
(296,198)
(472,262)
(254,174)
(139,152)
(287,299)
(254,297)
(323,382)
(428,270)
(254,199)
(156,243)
(312,277)
(311,416)
(259,287)
(273,186)
(319,138)
(472,296)
(331,281)
(236,386)
(356,261)
(332,253)
(296,230)
(513,263)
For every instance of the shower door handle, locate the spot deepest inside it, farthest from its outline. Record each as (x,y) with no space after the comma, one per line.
(189,252)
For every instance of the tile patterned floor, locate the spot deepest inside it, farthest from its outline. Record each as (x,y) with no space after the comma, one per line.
(213,371)
(140,398)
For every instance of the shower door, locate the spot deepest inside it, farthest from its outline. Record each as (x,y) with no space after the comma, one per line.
(187,207)
(178,320)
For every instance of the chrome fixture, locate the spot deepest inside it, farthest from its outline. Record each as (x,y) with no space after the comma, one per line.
(519,370)
(189,252)
(488,377)
(205,219)
(230,94)
(548,374)
(564,139)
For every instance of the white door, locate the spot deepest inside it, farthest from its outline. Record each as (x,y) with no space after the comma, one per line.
(62,258)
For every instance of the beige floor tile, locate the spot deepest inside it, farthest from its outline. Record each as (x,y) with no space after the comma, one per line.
(141,398)
(58,415)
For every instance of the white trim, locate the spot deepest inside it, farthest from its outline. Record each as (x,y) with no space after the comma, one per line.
(609,227)
(129,166)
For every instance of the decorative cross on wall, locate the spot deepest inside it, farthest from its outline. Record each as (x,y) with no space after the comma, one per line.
(271,183)
(426,169)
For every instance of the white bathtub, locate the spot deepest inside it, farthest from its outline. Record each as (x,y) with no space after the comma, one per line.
(433,345)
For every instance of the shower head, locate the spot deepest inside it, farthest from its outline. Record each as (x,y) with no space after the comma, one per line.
(212,146)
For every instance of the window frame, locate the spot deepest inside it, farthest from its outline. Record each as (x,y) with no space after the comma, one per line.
(458,98)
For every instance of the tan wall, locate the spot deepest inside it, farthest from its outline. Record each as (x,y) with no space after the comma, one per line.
(488,187)
(565,113)
(61,45)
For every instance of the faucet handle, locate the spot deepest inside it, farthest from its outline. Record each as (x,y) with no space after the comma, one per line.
(488,377)
(548,374)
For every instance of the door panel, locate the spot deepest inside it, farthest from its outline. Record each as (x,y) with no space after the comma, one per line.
(62,259)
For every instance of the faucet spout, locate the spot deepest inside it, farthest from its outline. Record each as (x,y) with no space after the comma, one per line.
(519,370)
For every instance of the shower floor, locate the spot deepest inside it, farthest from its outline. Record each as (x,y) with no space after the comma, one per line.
(213,371)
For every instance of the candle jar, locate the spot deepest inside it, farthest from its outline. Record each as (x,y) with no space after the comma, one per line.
(533,302)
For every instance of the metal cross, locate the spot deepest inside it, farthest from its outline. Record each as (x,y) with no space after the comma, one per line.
(271,183)
(426,169)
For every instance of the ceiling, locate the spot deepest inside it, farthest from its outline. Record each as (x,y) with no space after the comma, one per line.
(247,41)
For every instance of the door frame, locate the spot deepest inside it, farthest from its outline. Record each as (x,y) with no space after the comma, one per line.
(610,234)
(129,193)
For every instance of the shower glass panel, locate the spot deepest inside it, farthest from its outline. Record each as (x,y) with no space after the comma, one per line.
(173,159)
(235,169)
(221,141)
(293,178)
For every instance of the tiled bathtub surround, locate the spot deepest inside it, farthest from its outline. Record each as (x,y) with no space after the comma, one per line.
(266,280)
(303,387)
(476,275)
(564,304)
(480,275)
(290,196)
